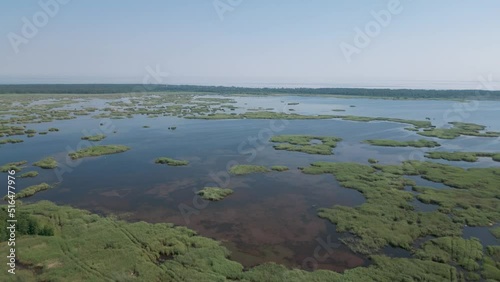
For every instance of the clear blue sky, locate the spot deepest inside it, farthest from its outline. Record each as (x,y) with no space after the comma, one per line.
(258,41)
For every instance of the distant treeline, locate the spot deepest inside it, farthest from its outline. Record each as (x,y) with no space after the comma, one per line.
(139,88)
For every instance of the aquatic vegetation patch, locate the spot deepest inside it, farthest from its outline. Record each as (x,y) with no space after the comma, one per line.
(416,123)
(29,174)
(458,129)
(99,150)
(32,190)
(171,162)
(16,166)
(247,169)
(46,163)
(421,143)
(94,138)
(214,193)
(279,168)
(11,141)
(321,145)
(462,156)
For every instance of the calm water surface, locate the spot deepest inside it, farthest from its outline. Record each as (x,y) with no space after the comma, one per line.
(270,217)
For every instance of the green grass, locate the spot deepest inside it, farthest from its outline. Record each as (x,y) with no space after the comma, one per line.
(247,169)
(496,232)
(17,166)
(171,162)
(279,168)
(46,163)
(372,161)
(214,193)
(453,250)
(32,190)
(304,143)
(100,150)
(421,143)
(458,129)
(491,265)
(462,156)
(29,174)
(94,138)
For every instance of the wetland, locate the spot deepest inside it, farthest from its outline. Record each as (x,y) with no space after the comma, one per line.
(277,184)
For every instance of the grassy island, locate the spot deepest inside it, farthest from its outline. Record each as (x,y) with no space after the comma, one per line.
(458,129)
(32,190)
(47,163)
(462,156)
(17,166)
(247,169)
(214,193)
(29,174)
(320,145)
(100,150)
(421,143)
(11,141)
(171,162)
(94,138)
(279,168)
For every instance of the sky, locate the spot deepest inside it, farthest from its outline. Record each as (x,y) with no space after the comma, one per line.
(426,43)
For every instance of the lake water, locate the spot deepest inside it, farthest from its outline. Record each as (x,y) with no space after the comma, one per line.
(270,217)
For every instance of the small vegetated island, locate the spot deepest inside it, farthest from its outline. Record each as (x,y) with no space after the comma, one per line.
(46,163)
(94,138)
(458,129)
(31,190)
(214,193)
(320,145)
(462,156)
(421,143)
(279,168)
(16,166)
(29,174)
(171,162)
(247,169)
(100,150)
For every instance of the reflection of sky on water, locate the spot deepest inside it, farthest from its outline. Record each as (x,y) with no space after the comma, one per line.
(269,206)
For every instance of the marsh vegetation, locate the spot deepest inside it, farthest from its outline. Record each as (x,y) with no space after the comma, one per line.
(46,163)
(100,150)
(321,145)
(214,193)
(421,143)
(247,169)
(94,138)
(171,162)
